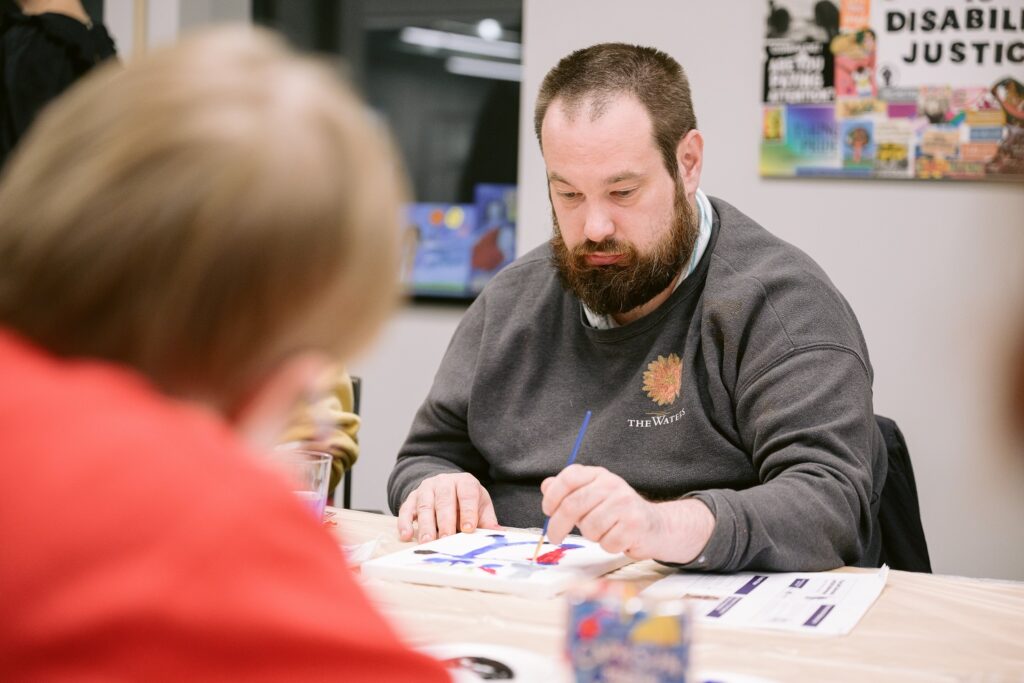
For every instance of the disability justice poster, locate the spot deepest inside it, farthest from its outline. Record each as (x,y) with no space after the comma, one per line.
(894,89)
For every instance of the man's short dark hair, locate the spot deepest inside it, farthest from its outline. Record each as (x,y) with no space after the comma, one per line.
(599,73)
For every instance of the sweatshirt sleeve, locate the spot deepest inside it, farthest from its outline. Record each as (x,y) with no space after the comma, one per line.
(808,422)
(439,440)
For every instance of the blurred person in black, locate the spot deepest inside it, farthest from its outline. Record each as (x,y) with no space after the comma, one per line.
(45,46)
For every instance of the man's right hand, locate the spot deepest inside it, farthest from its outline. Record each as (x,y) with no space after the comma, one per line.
(444,504)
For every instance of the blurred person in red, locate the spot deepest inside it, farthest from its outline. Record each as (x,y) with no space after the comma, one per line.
(187,243)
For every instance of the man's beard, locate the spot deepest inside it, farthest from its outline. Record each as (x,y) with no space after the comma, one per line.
(635,278)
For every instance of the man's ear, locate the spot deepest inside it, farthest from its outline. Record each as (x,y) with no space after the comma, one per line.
(690,161)
(262,415)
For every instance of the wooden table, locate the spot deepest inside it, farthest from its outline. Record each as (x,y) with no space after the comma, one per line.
(922,628)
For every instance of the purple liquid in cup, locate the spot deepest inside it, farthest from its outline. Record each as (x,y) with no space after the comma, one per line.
(313,501)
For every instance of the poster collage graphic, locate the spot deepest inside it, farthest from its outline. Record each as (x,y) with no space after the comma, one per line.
(894,89)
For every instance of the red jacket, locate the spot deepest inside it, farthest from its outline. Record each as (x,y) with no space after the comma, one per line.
(138,541)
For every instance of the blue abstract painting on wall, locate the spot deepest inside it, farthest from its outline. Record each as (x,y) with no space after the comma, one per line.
(457,248)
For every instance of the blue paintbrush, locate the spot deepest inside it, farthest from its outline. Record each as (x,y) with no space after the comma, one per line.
(572,459)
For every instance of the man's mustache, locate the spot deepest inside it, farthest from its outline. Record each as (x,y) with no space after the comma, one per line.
(605,246)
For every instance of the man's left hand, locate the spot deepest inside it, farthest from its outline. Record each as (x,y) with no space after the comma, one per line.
(608,511)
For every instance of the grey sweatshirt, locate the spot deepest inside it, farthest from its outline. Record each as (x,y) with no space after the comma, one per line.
(748,388)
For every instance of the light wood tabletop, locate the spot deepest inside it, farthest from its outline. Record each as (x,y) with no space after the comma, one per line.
(922,628)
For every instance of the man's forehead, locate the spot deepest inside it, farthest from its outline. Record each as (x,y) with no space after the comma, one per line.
(608,141)
(619,116)
(592,104)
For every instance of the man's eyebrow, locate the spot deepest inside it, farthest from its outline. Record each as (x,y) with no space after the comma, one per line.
(621,177)
(554,177)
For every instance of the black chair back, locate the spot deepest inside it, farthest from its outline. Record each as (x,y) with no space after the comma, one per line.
(899,514)
(346,482)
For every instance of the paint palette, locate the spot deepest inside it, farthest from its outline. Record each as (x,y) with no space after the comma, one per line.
(498,561)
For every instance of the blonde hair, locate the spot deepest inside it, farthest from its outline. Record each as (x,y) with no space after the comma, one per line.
(201,215)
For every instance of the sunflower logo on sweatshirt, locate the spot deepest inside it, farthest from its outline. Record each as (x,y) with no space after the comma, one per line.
(663,379)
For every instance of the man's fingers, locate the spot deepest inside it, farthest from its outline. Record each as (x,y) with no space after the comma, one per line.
(554,492)
(598,521)
(406,514)
(574,511)
(488,518)
(444,505)
(617,539)
(555,489)
(576,476)
(591,499)
(467,491)
(559,527)
(425,514)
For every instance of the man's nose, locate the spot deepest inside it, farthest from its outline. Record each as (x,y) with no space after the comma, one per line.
(599,225)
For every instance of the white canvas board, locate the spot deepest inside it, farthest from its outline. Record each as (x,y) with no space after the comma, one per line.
(498,561)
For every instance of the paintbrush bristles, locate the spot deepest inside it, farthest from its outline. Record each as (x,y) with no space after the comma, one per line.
(536,552)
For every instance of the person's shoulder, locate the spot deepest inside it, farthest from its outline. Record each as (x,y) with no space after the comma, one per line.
(104,432)
(143,471)
(766,277)
(87,43)
(159,494)
(748,249)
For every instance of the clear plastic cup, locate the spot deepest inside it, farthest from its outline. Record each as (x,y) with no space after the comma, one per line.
(308,472)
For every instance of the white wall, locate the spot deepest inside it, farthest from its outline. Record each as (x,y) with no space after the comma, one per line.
(933,270)
(166,19)
(397,373)
(119,18)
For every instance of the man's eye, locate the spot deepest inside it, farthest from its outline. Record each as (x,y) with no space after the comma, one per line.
(568,195)
(622,194)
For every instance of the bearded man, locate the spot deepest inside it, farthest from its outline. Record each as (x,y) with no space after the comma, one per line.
(728,378)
